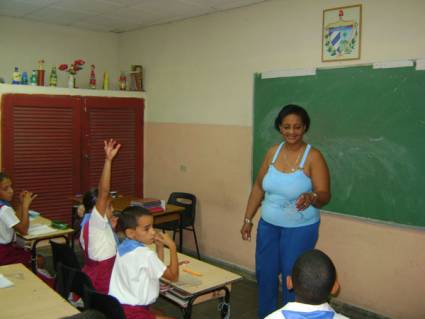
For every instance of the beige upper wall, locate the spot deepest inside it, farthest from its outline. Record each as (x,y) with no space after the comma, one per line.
(23,43)
(201,70)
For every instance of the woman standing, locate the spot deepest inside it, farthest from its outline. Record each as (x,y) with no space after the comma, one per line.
(292,184)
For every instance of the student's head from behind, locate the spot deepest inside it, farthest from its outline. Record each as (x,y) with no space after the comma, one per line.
(89,199)
(137,224)
(6,190)
(313,278)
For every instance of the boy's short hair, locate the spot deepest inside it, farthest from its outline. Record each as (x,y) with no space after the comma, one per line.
(313,277)
(3,176)
(129,217)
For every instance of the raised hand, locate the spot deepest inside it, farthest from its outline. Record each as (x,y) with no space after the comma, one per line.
(111,148)
(164,239)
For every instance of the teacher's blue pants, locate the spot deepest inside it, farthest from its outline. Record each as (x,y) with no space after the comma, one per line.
(276,252)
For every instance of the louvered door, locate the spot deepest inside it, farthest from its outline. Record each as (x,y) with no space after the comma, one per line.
(121,119)
(41,149)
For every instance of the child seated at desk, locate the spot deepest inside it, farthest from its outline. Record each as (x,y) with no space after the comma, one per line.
(137,269)
(313,280)
(97,237)
(11,221)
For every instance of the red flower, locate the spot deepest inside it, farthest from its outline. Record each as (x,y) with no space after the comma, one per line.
(63,67)
(79,62)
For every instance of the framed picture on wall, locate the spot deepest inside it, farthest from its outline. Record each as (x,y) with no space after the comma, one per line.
(341,33)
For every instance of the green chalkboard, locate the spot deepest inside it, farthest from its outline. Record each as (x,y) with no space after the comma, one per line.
(370,126)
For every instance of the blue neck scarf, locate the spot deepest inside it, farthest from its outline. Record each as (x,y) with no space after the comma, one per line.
(4,203)
(128,245)
(319,314)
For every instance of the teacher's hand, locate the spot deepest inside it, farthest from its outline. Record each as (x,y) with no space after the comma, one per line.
(305,200)
(246,231)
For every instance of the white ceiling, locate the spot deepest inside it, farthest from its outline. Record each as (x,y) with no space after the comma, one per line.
(114,15)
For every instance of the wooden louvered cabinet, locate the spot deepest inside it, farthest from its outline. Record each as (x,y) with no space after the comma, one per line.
(53,146)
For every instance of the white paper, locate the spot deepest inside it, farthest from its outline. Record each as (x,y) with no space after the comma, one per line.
(4,282)
(39,229)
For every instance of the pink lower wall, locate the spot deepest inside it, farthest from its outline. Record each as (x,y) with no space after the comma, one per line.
(381,267)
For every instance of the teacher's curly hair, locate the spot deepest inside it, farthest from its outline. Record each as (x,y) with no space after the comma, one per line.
(292,109)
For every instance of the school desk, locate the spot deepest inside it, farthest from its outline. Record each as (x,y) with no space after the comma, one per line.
(198,282)
(34,239)
(30,297)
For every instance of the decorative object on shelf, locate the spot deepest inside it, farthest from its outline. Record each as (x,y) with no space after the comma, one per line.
(53,78)
(33,79)
(72,71)
(16,76)
(24,79)
(105,84)
(341,33)
(137,77)
(92,81)
(123,81)
(40,73)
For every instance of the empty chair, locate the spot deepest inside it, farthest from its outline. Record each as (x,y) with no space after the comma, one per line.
(64,254)
(108,305)
(73,280)
(188,201)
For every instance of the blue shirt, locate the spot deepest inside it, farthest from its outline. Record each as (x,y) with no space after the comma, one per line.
(281,193)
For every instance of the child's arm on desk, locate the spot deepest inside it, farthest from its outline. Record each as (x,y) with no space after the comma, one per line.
(172,271)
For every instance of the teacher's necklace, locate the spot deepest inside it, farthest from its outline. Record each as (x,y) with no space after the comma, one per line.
(292,166)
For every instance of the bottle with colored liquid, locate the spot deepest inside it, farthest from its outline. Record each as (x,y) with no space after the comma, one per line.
(33,79)
(105,85)
(24,79)
(16,76)
(53,78)
(123,82)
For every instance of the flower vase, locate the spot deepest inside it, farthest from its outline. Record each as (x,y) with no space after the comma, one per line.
(71,81)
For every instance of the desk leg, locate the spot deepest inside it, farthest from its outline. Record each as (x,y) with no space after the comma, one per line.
(34,257)
(224,306)
(181,233)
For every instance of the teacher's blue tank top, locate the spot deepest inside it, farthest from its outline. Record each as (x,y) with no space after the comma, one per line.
(281,193)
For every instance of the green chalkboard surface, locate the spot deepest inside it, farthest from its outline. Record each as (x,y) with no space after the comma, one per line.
(370,126)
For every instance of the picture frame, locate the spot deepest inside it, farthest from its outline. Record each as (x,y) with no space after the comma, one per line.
(341,33)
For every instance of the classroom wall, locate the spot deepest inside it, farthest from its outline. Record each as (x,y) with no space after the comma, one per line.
(23,43)
(199,80)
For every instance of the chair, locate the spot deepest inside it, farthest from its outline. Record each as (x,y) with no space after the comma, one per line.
(106,304)
(73,280)
(188,201)
(64,254)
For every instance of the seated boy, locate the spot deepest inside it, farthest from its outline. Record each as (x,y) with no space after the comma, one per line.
(137,269)
(313,280)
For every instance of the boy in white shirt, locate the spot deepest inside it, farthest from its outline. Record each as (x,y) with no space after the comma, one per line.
(313,280)
(137,269)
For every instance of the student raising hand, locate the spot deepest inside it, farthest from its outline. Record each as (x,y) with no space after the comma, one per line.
(103,203)
(111,148)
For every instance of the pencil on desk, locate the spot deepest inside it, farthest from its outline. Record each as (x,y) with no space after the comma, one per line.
(190,271)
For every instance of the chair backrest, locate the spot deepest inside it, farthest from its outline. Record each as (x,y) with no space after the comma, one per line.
(64,254)
(188,201)
(106,304)
(73,280)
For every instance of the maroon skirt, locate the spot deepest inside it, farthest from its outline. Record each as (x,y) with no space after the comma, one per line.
(11,254)
(100,273)
(137,312)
